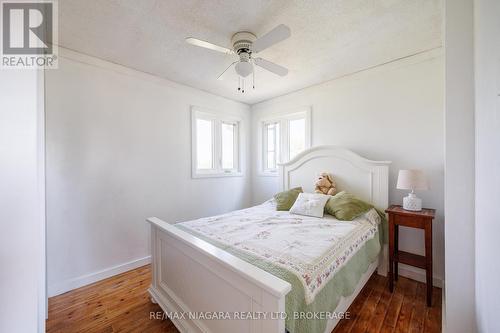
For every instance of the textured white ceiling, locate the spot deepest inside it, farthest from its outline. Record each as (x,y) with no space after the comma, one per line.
(329,38)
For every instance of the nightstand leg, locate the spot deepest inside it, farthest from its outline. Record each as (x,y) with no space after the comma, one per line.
(428,262)
(396,249)
(391,253)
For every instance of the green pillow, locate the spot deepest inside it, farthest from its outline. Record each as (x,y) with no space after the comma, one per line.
(346,207)
(286,199)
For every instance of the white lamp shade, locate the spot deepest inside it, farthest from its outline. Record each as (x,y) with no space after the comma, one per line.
(412,180)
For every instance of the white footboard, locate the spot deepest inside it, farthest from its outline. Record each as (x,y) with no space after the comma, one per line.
(194,280)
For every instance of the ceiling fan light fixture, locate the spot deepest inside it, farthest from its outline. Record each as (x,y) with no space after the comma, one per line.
(243,68)
(245,45)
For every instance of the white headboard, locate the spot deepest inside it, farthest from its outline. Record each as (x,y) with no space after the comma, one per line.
(368,180)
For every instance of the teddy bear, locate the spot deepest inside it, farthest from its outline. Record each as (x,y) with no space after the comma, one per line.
(325,184)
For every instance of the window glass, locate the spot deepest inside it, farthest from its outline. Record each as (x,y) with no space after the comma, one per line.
(297,136)
(228,144)
(273,143)
(204,144)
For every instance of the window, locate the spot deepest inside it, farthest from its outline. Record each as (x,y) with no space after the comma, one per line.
(283,138)
(215,150)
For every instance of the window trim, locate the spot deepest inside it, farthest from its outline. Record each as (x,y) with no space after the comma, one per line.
(283,118)
(217,117)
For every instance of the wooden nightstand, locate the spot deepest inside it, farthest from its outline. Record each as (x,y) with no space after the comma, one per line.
(421,220)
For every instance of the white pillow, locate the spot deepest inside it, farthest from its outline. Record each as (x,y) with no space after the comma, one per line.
(310,204)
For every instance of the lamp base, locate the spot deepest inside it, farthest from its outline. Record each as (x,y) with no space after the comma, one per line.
(411,202)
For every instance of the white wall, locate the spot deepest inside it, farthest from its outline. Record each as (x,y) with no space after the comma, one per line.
(118,151)
(393,112)
(22,235)
(459,161)
(487,122)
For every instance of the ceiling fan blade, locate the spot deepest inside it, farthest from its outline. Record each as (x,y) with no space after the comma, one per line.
(221,76)
(278,34)
(207,45)
(271,66)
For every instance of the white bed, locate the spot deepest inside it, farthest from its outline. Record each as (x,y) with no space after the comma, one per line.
(193,276)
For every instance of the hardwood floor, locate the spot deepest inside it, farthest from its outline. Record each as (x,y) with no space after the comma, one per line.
(121,304)
(377,310)
(118,304)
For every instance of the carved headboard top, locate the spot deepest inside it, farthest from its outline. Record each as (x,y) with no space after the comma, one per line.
(367,179)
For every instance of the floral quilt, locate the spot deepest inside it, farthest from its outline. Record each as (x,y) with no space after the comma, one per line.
(312,248)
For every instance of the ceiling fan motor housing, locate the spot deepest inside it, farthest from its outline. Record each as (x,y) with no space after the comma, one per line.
(242,42)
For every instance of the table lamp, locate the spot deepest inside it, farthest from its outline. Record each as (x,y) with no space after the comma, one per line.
(412,180)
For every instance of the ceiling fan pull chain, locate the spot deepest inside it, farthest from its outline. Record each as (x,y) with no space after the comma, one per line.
(239,84)
(253,79)
(243,80)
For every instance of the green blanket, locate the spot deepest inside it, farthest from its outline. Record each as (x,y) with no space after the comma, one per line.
(342,284)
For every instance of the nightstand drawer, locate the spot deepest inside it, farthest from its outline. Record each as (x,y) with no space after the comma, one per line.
(410,221)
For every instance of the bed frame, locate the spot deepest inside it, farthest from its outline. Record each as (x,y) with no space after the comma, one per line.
(193,280)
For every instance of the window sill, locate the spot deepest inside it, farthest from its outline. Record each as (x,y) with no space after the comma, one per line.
(268,174)
(217,175)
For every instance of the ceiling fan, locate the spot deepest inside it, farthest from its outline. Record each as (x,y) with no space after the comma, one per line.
(245,46)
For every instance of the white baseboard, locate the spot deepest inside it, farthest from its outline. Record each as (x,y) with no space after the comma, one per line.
(70,284)
(417,274)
